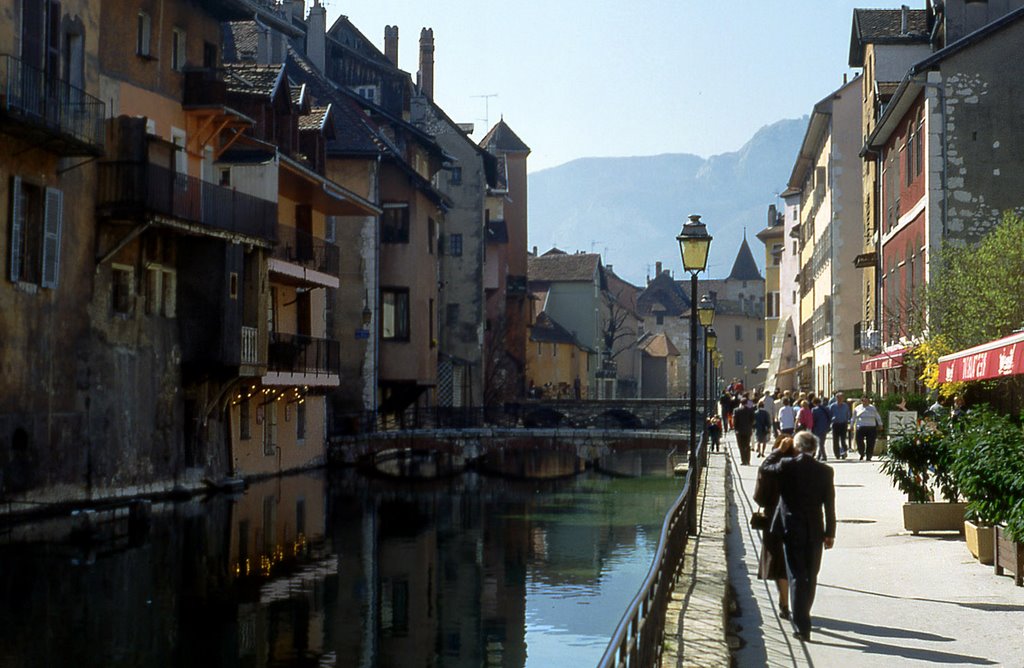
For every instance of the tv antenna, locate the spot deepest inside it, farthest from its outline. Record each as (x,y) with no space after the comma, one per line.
(487,109)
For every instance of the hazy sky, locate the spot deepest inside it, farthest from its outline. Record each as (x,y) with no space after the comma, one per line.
(579,78)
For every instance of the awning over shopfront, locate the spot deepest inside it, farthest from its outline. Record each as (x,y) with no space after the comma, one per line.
(883,361)
(799,365)
(1002,357)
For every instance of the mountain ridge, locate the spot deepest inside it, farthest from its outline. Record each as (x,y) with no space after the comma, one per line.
(631,208)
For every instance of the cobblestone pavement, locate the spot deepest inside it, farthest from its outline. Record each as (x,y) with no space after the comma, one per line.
(694,622)
(885,597)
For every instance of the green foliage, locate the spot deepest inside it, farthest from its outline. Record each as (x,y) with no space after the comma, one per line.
(988,464)
(975,294)
(919,463)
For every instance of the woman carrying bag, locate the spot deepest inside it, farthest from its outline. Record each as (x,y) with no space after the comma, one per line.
(772,564)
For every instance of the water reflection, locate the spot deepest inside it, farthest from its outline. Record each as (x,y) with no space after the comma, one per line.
(351,571)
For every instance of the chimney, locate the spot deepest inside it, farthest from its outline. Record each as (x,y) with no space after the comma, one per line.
(904,19)
(316,36)
(535,251)
(657,269)
(391,44)
(426,73)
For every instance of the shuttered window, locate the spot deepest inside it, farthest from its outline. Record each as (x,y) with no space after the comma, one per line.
(36,216)
(52,217)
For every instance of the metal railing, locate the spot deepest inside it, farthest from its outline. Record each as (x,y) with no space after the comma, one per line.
(299,247)
(295,353)
(638,639)
(250,345)
(130,188)
(30,96)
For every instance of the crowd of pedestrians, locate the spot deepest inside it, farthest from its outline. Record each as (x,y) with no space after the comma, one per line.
(759,417)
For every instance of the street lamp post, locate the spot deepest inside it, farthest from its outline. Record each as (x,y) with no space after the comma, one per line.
(694,244)
(711,347)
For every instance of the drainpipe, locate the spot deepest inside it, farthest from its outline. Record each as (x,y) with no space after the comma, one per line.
(943,144)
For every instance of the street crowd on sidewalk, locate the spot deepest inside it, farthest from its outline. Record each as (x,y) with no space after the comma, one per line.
(761,416)
(891,597)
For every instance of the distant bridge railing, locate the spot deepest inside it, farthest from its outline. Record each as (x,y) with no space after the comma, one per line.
(638,639)
(645,414)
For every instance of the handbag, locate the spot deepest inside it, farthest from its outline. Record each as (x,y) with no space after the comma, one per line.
(758,521)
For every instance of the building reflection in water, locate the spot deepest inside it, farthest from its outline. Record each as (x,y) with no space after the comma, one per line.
(375,572)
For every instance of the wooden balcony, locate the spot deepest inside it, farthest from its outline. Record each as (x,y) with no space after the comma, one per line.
(295,359)
(51,112)
(134,190)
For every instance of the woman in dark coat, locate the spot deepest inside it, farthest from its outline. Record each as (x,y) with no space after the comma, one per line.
(772,565)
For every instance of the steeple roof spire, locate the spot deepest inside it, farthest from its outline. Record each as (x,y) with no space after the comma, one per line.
(745,267)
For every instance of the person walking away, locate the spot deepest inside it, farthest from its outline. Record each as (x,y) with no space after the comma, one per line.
(769,405)
(743,424)
(821,423)
(725,403)
(867,421)
(715,431)
(787,417)
(806,519)
(804,419)
(772,563)
(762,427)
(840,412)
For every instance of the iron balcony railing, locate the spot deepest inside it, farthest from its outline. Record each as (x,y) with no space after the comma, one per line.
(66,113)
(865,336)
(295,353)
(299,247)
(250,345)
(129,189)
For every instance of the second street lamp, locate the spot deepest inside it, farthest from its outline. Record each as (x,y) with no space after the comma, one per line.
(711,348)
(694,244)
(706,316)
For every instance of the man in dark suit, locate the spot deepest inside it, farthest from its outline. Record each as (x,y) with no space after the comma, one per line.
(806,519)
(743,422)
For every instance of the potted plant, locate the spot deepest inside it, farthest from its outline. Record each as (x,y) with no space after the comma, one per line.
(988,464)
(919,464)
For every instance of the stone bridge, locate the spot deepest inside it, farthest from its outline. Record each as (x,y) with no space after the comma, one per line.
(527,453)
(657,414)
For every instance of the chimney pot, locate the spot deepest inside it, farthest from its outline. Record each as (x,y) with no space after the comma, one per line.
(426,73)
(391,44)
(904,19)
(316,36)
(657,269)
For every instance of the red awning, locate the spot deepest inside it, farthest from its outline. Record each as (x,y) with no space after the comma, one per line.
(890,360)
(1002,357)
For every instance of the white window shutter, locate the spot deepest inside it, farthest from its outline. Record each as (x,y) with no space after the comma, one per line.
(17,228)
(51,237)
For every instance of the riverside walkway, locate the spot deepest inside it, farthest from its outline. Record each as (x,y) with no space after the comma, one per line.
(885,597)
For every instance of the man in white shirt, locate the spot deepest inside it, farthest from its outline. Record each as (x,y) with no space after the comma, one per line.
(787,417)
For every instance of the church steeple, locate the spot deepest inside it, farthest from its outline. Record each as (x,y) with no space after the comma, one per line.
(745,267)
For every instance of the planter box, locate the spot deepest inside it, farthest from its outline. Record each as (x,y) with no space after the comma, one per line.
(1009,556)
(934,516)
(980,541)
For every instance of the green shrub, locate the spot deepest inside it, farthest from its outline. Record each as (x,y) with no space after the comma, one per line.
(919,463)
(988,464)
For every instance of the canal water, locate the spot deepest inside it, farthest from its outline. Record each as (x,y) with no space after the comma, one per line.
(340,569)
